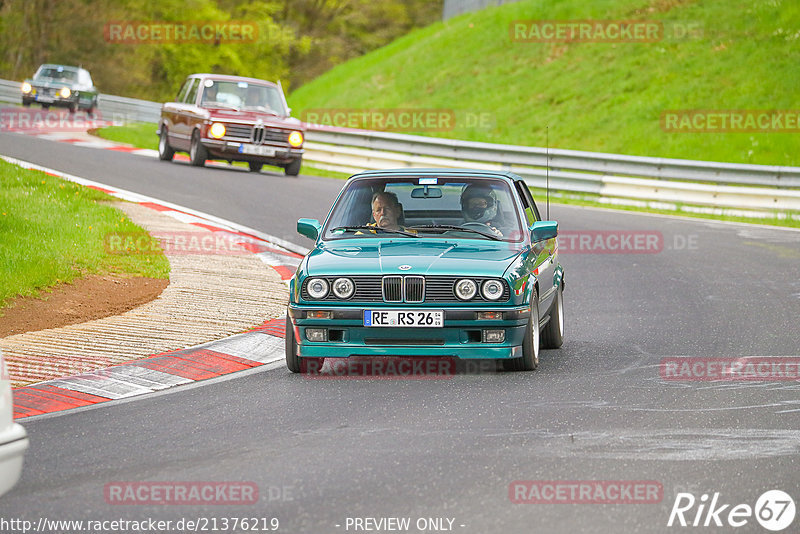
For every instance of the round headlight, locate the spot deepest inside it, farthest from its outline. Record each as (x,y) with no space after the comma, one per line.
(217,130)
(65,92)
(343,288)
(317,288)
(466,289)
(296,139)
(492,290)
(26,87)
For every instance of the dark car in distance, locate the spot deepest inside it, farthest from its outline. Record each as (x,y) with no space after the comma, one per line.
(61,86)
(231,118)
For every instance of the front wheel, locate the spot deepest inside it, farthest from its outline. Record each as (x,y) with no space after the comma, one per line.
(295,363)
(293,169)
(553,333)
(197,152)
(530,345)
(255,166)
(165,152)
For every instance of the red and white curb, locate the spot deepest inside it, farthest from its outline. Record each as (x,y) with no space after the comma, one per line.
(260,346)
(85,140)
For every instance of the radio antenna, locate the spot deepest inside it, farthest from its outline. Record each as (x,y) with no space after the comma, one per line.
(547,167)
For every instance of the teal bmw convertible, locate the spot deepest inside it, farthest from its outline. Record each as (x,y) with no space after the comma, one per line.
(428,262)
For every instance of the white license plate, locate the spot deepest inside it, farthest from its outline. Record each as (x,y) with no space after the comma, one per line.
(41,98)
(257,150)
(404,318)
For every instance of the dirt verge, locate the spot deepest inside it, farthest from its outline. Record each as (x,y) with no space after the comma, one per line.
(88,298)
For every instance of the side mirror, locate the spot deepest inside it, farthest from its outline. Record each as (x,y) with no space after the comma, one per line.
(541,230)
(309,228)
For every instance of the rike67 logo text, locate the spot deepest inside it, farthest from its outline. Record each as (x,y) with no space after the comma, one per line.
(774,510)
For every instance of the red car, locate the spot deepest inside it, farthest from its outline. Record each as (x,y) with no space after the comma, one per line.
(234,119)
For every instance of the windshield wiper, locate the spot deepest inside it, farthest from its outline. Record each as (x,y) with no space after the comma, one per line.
(370,228)
(262,108)
(219,105)
(445,227)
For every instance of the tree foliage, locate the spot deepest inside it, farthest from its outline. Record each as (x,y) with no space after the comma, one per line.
(296,39)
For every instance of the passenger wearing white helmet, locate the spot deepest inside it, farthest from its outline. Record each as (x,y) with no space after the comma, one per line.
(479,205)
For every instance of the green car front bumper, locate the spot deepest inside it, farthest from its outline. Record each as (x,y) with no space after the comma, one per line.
(461,336)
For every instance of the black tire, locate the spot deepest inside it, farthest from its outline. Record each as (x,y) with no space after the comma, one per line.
(293,361)
(197,152)
(553,333)
(73,107)
(92,109)
(530,345)
(45,106)
(165,152)
(255,166)
(293,169)
(26,104)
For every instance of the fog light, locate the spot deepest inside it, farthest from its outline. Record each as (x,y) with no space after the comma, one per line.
(319,314)
(491,315)
(65,92)
(26,87)
(316,334)
(494,336)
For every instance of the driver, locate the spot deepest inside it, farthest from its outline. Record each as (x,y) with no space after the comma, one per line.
(210,93)
(386,210)
(479,205)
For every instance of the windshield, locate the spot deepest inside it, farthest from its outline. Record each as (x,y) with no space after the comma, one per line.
(426,207)
(242,95)
(58,73)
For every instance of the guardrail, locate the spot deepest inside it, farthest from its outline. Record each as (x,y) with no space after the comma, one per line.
(117,109)
(643,178)
(731,185)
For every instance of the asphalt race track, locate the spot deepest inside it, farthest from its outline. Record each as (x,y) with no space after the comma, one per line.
(325,450)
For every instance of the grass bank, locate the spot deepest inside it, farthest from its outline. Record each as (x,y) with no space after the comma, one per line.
(53,231)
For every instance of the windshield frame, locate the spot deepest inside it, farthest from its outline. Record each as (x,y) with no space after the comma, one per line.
(326,234)
(73,71)
(207,83)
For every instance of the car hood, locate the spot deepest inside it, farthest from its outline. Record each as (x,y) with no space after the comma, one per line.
(51,82)
(268,119)
(424,256)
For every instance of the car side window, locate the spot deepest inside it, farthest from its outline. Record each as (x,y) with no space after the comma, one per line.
(531,215)
(191,97)
(184,90)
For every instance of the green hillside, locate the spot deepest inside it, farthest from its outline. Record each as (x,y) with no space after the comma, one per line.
(598,96)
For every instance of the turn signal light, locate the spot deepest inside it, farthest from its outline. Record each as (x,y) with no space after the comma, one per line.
(321,314)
